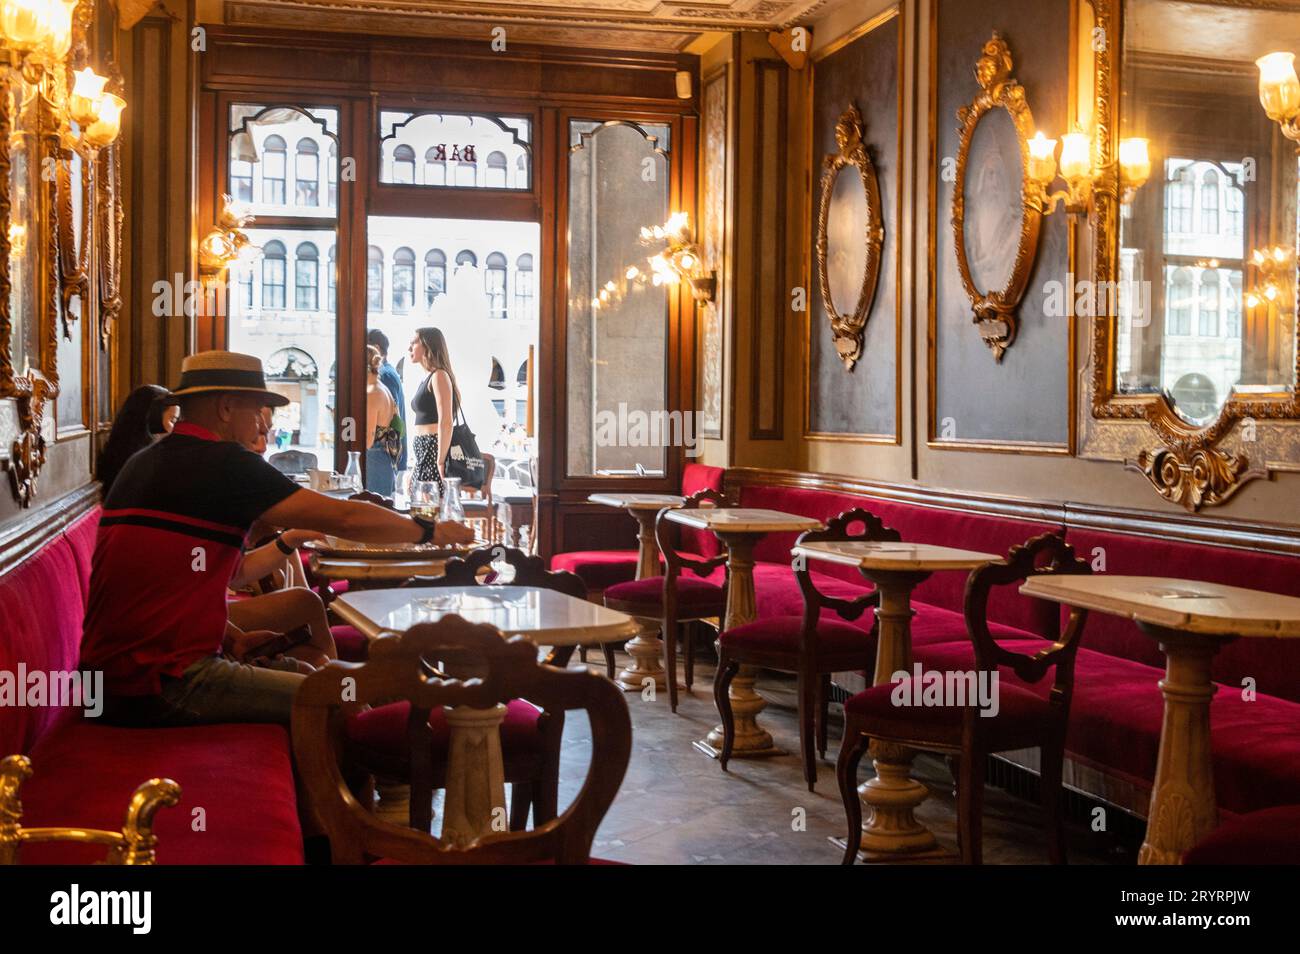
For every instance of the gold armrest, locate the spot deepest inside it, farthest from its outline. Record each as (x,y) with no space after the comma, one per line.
(133,845)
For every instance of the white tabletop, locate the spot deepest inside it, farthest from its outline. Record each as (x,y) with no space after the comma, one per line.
(637,501)
(889,555)
(1192,606)
(546,617)
(743,520)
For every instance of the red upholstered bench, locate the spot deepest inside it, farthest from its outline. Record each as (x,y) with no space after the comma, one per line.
(240,776)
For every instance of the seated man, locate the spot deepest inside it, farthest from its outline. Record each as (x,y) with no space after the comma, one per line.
(169,541)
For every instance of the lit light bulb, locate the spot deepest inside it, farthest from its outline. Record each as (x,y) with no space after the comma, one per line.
(688,261)
(632,272)
(1042,161)
(25,23)
(109,121)
(1134,161)
(1076,163)
(87,90)
(1252,300)
(1279,88)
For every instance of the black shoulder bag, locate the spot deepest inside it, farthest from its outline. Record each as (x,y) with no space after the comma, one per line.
(464,460)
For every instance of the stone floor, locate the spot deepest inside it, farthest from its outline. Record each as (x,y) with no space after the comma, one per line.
(677,807)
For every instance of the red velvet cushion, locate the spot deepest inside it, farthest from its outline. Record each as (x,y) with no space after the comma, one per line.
(1273,663)
(81,534)
(1020,716)
(598,568)
(41,610)
(383,729)
(351,643)
(697,477)
(784,634)
(694,595)
(1268,837)
(240,775)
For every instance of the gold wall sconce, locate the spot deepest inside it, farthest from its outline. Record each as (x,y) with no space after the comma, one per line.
(1075,167)
(226,242)
(1275,268)
(1279,92)
(680,260)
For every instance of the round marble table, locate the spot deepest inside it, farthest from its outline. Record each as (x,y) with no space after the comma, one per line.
(739,529)
(476,796)
(890,831)
(1191,619)
(646,649)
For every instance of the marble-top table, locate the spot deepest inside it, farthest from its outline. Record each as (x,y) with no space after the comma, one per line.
(739,529)
(1191,620)
(890,830)
(646,649)
(476,794)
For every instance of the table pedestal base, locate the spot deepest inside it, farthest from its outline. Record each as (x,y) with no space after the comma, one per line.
(890,830)
(646,650)
(752,740)
(476,779)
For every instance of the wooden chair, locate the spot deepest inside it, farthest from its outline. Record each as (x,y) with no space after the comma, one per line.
(1025,719)
(810,646)
(675,598)
(507,670)
(133,845)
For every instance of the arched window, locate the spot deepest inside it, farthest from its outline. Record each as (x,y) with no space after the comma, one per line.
(306,172)
(1210,203)
(403,280)
(1179,305)
(466,257)
(435,169)
(1208,324)
(404,165)
(306,277)
(1178,201)
(494,283)
(332,174)
(435,275)
(274,161)
(521,377)
(524,286)
(521,173)
(241,180)
(1235,207)
(496,171)
(246,288)
(273,275)
(375,279)
(332,283)
(497,380)
(467,172)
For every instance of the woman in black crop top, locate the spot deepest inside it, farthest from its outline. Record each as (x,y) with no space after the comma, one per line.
(435,404)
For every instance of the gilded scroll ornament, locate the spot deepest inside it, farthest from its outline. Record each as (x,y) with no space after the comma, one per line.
(847,328)
(994,311)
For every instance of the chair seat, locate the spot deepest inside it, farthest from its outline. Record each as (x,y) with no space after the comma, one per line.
(382,730)
(350,642)
(1019,723)
(1270,836)
(695,597)
(784,635)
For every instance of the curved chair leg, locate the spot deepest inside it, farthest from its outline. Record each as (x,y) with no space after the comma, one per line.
(688,644)
(852,749)
(807,692)
(970,806)
(1053,764)
(609,660)
(521,802)
(727,669)
(668,634)
(823,711)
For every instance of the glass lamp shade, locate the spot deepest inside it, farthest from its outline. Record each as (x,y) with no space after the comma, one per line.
(59,16)
(1279,88)
(108,122)
(1076,162)
(1042,158)
(1134,161)
(25,23)
(87,91)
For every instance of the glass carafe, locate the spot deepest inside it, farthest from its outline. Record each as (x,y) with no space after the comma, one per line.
(352,473)
(451,506)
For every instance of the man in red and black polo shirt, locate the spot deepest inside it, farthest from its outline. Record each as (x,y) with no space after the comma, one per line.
(170,538)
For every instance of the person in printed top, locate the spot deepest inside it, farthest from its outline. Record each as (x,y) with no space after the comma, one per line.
(169,541)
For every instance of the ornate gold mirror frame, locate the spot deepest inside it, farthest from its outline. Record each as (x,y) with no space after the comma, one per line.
(995,311)
(1188,465)
(847,329)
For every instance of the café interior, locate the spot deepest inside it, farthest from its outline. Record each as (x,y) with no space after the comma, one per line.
(830,373)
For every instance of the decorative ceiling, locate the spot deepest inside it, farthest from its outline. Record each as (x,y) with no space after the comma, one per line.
(638,24)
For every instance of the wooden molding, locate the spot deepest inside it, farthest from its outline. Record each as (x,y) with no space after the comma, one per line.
(24,537)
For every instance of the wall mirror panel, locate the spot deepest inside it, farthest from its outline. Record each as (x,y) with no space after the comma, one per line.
(1197,339)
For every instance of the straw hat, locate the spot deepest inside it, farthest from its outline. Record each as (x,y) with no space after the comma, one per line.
(225,371)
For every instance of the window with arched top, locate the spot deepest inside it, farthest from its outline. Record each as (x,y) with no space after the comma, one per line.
(467,173)
(403,280)
(375,279)
(273,264)
(466,257)
(1208,305)
(241,180)
(521,377)
(435,275)
(1178,201)
(404,165)
(494,283)
(306,277)
(1232,311)
(1181,293)
(524,286)
(496,171)
(332,282)
(306,173)
(435,168)
(274,165)
(1210,203)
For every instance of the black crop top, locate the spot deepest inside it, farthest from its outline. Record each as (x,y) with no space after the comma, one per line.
(425,403)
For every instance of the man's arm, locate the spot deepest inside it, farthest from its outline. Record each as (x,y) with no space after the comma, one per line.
(356,520)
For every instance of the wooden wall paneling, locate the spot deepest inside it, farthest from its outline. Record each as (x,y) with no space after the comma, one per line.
(771,301)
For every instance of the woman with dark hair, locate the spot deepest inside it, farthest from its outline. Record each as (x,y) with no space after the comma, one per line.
(435,405)
(382,428)
(147,414)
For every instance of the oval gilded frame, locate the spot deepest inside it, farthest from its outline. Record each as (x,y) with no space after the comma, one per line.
(995,311)
(847,329)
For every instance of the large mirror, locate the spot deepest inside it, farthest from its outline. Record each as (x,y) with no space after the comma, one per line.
(850,236)
(1200,338)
